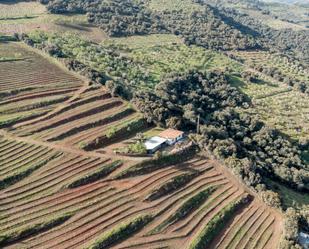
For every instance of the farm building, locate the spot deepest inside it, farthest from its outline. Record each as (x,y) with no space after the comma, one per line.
(172,136)
(155,143)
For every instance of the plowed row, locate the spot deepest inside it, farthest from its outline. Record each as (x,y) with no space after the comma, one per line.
(104,204)
(81,121)
(31,86)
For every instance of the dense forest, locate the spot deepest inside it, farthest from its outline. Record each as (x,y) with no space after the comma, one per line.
(213,26)
(287,41)
(208,103)
(122,18)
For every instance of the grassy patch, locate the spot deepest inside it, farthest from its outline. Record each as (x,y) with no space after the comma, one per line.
(14,9)
(176,5)
(97,175)
(144,41)
(121,232)
(216,224)
(289,197)
(10,59)
(9,120)
(120,131)
(285,112)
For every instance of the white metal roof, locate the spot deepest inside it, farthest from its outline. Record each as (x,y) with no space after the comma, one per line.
(154,142)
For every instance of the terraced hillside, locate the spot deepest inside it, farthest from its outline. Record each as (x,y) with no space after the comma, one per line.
(90,211)
(31,86)
(54,194)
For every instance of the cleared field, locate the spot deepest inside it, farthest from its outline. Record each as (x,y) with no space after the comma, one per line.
(16,9)
(30,85)
(81,121)
(23,17)
(101,206)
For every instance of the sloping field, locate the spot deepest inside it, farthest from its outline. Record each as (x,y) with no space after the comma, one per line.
(279,105)
(53,194)
(179,213)
(30,85)
(80,121)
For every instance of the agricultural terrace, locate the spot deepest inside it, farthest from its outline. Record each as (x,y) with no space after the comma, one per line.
(23,17)
(54,194)
(31,86)
(169,207)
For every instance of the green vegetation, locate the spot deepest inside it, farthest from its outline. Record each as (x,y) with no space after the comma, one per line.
(9,120)
(121,232)
(7,238)
(186,208)
(217,223)
(97,175)
(172,185)
(137,148)
(130,126)
(140,65)
(10,59)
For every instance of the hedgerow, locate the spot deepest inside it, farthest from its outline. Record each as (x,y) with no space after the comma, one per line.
(217,223)
(186,208)
(148,166)
(95,176)
(121,232)
(172,185)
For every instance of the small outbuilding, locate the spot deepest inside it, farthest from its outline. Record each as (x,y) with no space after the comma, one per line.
(172,136)
(155,143)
